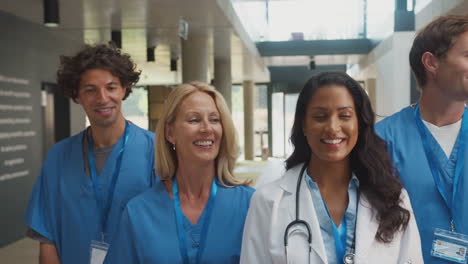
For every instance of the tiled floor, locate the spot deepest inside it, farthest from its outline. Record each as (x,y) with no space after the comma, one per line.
(26,251)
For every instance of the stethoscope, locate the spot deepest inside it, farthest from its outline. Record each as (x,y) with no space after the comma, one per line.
(348,258)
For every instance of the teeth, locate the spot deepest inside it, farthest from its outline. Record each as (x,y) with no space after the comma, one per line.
(332,141)
(204,143)
(104,110)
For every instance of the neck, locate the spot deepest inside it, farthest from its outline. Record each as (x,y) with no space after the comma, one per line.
(330,175)
(439,108)
(194,181)
(108,136)
(332,179)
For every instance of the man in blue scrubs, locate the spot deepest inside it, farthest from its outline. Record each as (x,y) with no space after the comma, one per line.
(87,179)
(427,141)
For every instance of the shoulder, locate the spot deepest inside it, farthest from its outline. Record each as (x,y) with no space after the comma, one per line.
(65,146)
(147,199)
(140,132)
(240,194)
(391,123)
(398,117)
(240,189)
(269,193)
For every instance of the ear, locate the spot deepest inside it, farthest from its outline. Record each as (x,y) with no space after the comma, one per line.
(77,99)
(430,62)
(169,133)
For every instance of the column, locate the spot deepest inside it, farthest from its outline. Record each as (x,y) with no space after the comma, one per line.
(222,64)
(195,57)
(249,105)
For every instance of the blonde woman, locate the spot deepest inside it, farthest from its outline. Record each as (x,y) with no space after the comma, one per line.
(196,213)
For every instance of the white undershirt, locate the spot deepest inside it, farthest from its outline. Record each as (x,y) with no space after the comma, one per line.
(445,135)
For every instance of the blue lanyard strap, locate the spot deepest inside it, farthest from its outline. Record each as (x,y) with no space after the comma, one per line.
(340,238)
(180,225)
(434,165)
(338,235)
(96,182)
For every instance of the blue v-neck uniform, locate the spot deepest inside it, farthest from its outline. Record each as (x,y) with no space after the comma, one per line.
(406,149)
(148,230)
(63,207)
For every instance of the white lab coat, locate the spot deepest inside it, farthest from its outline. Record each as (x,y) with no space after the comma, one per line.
(272,208)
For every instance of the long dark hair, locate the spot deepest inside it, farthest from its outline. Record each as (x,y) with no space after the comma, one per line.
(369,159)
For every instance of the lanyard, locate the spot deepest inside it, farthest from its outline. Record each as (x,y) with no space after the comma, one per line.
(96,182)
(180,225)
(340,239)
(435,166)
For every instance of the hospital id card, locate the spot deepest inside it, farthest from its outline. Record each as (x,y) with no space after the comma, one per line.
(98,252)
(450,246)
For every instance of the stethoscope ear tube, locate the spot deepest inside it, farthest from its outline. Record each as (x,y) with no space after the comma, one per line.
(298,221)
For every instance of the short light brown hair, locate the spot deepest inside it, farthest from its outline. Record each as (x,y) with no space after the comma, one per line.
(437,38)
(165,156)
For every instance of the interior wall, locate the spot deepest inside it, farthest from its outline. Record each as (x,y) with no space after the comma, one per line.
(29,56)
(388,64)
(437,8)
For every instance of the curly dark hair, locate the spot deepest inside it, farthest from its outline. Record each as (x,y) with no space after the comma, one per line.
(437,38)
(101,56)
(369,160)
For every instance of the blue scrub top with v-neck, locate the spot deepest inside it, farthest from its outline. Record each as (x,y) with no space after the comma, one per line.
(63,207)
(148,230)
(406,149)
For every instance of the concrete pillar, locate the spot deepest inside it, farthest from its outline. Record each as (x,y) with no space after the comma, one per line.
(249,105)
(222,64)
(195,57)
(371,91)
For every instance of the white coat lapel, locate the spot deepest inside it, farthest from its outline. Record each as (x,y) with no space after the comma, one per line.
(366,228)
(306,213)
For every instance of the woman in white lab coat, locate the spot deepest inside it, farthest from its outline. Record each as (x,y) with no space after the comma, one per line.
(352,206)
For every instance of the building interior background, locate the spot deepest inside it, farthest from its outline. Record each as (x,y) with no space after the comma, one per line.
(257,53)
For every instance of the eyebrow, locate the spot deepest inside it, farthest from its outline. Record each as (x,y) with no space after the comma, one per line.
(324,108)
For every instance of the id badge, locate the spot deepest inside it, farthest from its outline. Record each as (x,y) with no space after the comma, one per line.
(98,252)
(450,246)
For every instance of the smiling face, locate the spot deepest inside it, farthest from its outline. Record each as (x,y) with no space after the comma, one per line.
(100,94)
(197,130)
(331,124)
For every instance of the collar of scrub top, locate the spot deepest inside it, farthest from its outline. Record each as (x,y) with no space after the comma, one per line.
(180,223)
(435,166)
(105,208)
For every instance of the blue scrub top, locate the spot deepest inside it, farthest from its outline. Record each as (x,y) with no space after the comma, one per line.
(407,152)
(62,206)
(148,231)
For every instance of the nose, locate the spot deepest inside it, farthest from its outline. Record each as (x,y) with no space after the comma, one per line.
(101,95)
(205,126)
(333,125)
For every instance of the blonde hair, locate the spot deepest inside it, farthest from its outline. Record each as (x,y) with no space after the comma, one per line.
(165,156)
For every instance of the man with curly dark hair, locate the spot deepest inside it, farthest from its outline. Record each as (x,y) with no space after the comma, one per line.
(87,179)
(427,141)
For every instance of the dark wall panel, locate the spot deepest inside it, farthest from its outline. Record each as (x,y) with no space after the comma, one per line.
(29,56)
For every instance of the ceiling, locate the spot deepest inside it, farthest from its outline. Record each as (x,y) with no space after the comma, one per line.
(155,23)
(148,22)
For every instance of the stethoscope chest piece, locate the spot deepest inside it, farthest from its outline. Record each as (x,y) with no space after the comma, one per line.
(349,258)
